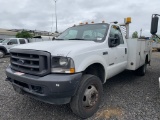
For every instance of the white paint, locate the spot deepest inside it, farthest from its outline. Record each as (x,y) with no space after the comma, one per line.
(138,49)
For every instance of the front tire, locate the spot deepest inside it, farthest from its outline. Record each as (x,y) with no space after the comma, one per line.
(88,96)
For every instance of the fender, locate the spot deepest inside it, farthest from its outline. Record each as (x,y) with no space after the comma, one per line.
(81,66)
(3,48)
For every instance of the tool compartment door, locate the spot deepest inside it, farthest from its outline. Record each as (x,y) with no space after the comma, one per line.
(134,51)
(142,51)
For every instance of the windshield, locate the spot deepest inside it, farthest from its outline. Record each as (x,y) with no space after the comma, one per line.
(92,32)
(6,41)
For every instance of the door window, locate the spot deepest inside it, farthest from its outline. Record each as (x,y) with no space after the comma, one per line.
(116,30)
(13,41)
(22,41)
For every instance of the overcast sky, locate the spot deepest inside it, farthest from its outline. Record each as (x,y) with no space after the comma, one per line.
(37,14)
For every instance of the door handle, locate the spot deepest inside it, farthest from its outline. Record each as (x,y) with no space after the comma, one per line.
(125,50)
(105,53)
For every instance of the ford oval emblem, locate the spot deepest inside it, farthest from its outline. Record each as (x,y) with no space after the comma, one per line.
(21,61)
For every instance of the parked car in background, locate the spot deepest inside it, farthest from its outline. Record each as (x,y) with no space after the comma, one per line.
(1,40)
(7,44)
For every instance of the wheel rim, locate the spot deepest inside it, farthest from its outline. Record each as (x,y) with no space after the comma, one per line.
(1,54)
(90,97)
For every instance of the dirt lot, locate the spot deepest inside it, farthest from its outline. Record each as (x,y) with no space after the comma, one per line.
(126,97)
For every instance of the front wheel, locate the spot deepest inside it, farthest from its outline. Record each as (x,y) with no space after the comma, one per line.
(88,97)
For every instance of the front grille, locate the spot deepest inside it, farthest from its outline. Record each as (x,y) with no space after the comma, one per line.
(30,61)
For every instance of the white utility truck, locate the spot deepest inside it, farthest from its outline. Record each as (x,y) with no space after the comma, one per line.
(7,44)
(73,67)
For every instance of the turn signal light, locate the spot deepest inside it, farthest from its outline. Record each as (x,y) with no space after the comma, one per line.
(72,70)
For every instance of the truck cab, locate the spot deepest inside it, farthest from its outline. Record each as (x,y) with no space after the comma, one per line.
(7,44)
(73,67)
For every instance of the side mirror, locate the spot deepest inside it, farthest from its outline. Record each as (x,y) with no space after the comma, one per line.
(154,25)
(114,41)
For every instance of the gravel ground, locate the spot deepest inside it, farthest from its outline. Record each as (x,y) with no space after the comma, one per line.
(126,97)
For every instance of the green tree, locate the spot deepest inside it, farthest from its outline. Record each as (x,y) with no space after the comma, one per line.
(24,34)
(135,34)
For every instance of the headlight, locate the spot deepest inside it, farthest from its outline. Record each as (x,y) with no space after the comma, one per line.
(63,61)
(62,65)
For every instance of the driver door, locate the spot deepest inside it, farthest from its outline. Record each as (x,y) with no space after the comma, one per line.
(121,51)
(117,54)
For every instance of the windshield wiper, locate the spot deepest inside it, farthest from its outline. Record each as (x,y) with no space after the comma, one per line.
(76,39)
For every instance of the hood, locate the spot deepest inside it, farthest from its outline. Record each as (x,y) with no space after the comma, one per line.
(57,48)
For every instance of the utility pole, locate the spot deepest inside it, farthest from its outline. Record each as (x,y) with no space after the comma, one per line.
(56,15)
(141,32)
(52,24)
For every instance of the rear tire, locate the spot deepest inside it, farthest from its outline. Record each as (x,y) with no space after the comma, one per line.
(88,97)
(2,53)
(142,70)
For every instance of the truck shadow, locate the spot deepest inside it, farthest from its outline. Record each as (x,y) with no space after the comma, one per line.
(124,77)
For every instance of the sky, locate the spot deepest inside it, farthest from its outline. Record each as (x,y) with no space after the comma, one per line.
(39,14)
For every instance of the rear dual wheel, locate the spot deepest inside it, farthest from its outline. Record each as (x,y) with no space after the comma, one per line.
(142,70)
(88,97)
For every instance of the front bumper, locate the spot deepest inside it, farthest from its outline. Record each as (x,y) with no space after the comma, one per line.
(52,88)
